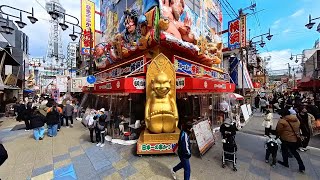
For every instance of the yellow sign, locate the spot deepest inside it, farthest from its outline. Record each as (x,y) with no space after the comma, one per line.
(87,24)
(11,79)
(243,31)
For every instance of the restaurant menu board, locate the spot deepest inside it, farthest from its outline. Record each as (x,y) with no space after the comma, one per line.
(204,136)
(249,109)
(245,112)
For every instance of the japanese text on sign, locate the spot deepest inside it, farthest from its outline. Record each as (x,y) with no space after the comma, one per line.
(234,34)
(87,24)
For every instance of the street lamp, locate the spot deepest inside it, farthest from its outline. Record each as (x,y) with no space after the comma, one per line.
(7,29)
(310,24)
(297,56)
(262,43)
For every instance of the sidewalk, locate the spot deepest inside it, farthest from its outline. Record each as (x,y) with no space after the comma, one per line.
(71,156)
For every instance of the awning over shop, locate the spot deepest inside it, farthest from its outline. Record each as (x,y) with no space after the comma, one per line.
(199,85)
(236,96)
(8,60)
(183,85)
(312,83)
(123,85)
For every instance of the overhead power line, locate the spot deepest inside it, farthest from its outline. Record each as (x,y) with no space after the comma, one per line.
(226,10)
(231,7)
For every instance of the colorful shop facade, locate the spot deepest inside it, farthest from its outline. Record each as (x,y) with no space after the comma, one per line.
(161,51)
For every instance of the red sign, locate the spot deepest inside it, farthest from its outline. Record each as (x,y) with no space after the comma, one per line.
(132,67)
(256,85)
(124,85)
(243,30)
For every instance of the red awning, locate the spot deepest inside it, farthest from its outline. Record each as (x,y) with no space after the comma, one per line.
(198,85)
(309,84)
(183,84)
(123,85)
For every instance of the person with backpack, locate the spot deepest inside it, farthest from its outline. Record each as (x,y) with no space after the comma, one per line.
(53,118)
(184,151)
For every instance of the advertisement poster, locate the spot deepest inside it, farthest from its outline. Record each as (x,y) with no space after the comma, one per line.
(62,83)
(204,136)
(245,112)
(87,23)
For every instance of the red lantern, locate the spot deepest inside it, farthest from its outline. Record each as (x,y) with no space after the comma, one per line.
(256,85)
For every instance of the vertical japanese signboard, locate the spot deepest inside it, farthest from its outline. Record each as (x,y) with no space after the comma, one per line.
(87,23)
(234,34)
(243,30)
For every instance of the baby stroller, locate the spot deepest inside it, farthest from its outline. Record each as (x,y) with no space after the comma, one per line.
(228,132)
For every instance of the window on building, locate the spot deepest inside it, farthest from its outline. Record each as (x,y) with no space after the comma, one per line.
(213,22)
(194,5)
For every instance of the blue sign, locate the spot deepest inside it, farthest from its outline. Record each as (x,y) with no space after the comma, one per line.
(91,79)
(234,34)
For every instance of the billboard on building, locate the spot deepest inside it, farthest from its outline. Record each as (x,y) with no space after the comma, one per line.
(62,82)
(72,55)
(234,34)
(87,24)
(243,30)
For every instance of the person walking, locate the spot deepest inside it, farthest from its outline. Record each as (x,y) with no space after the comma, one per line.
(184,152)
(306,120)
(101,127)
(263,104)
(37,121)
(53,118)
(91,123)
(267,122)
(68,114)
(288,128)
(257,101)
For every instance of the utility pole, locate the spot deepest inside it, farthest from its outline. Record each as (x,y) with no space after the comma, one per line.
(241,57)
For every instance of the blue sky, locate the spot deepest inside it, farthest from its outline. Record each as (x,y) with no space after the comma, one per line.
(286,19)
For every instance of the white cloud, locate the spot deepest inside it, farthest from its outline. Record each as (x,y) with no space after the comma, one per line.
(286,30)
(297,13)
(276,24)
(279,59)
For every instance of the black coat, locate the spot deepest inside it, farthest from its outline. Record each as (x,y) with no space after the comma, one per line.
(53,118)
(37,120)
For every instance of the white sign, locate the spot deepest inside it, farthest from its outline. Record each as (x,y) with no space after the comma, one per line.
(72,54)
(245,112)
(180,83)
(78,83)
(7,70)
(139,83)
(249,109)
(62,83)
(204,136)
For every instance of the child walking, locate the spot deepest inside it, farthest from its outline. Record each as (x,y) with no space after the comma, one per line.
(267,122)
(271,146)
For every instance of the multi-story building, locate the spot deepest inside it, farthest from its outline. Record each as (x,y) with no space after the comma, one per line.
(14,49)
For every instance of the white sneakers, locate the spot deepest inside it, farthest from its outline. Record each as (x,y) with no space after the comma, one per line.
(100,144)
(173,174)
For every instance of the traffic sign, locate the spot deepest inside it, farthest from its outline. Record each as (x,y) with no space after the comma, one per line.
(91,79)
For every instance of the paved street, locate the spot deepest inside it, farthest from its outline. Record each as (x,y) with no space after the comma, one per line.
(71,156)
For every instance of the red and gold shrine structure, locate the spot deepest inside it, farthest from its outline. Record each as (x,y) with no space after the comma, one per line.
(158,55)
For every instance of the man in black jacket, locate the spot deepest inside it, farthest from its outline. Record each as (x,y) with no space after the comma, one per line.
(184,151)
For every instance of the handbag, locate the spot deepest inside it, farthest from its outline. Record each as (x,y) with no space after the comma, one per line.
(300,138)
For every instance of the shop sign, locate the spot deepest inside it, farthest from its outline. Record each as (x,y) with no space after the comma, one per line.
(105,86)
(234,34)
(180,83)
(11,80)
(122,70)
(220,86)
(87,23)
(243,30)
(185,67)
(155,148)
(139,83)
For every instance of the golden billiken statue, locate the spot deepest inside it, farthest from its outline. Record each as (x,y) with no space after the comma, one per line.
(161,110)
